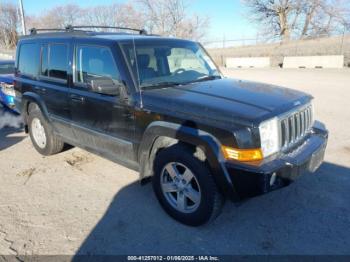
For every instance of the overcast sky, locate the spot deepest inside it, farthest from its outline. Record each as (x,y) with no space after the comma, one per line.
(227,17)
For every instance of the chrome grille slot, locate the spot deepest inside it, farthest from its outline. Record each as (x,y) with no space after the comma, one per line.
(295,125)
(292,128)
(302,119)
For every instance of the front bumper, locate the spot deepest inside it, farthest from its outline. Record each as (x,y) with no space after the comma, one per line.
(251,179)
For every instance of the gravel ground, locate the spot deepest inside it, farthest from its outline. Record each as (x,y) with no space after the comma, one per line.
(75,202)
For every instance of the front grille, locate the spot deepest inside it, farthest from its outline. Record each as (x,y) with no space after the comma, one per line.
(295,125)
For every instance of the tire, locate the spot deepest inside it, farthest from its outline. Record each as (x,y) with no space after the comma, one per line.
(171,193)
(41,134)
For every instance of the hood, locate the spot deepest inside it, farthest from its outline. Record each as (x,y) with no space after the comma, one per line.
(226,100)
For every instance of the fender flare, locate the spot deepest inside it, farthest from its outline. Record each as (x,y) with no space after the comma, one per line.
(30,97)
(199,138)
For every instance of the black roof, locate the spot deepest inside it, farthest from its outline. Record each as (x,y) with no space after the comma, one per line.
(100,36)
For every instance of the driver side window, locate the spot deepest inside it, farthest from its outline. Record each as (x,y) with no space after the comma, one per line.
(94,62)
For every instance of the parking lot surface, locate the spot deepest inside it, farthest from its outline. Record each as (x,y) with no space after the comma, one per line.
(78,203)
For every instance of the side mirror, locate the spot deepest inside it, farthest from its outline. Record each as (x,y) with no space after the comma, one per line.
(106,86)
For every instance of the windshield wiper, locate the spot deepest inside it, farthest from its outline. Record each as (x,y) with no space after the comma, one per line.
(169,83)
(204,78)
(162,84)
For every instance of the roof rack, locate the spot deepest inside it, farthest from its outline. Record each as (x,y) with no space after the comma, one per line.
(34,31)
(70,28)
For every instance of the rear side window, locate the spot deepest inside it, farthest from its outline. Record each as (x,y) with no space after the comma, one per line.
(54,61)
(45,61)
(93,62)
(28,63)
(58,61)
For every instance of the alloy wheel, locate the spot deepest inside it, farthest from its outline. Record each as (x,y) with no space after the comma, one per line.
(180,187)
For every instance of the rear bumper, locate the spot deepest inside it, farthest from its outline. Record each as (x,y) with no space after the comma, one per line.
(258,178)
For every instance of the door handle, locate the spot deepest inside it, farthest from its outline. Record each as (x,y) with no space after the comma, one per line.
(77,98)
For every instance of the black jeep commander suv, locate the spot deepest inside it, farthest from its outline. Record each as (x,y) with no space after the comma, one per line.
(160,106)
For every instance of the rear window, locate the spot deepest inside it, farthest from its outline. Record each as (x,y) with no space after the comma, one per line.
(28,62)
(54,61)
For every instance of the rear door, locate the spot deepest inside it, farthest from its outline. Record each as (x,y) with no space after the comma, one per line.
(101,122)
(53,84)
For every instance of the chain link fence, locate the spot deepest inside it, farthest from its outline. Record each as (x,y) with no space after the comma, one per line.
(277,50)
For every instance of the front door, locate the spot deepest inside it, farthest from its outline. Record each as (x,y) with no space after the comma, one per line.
(101,122)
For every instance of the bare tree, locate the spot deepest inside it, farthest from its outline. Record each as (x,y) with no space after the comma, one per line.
(299,18)
(57,17)
(170,17)
(8,24)
(193,28)
(123,15)
(164,17)
(274,16)
(324,17)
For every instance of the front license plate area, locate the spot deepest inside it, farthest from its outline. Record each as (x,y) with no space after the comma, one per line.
(316,159)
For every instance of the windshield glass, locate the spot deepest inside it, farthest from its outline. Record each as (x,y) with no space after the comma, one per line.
(168,62)
(7,68)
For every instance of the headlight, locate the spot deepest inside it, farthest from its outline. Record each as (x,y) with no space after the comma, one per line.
(269,137)
(7,89)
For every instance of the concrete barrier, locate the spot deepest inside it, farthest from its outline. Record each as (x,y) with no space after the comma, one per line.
(5,56)
(334,61)
(248,62)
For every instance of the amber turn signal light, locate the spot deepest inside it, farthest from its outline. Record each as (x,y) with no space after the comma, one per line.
(244,155)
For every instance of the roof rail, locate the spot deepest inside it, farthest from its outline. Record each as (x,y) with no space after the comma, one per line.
(70,28)
(34,31)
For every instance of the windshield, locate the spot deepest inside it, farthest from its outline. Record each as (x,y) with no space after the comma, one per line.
(7,68)
(169,62)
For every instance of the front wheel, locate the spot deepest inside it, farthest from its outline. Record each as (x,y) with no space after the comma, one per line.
(184,186)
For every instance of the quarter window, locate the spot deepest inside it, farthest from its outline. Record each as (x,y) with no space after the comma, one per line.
(28,63)
(94,62)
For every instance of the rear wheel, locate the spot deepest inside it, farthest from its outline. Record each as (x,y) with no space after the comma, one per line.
(41,134)
(184,186)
